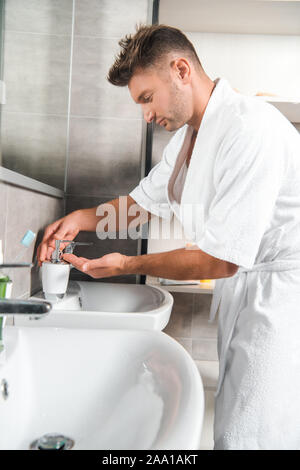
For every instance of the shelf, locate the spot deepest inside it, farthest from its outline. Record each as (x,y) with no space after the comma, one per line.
(12,177)
(188,288)
(232,16)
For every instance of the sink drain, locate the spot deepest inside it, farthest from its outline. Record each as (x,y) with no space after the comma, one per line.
(52,442)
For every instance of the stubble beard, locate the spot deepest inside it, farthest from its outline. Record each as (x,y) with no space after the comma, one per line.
(178,111)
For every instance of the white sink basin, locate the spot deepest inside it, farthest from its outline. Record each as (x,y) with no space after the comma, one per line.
(104,389)
(107,305)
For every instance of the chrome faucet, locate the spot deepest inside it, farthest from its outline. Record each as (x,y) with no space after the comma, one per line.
(10,307)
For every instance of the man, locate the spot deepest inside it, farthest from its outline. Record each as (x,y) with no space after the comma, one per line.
(236,160)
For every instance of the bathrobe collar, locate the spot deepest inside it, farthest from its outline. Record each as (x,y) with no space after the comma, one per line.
(201,161)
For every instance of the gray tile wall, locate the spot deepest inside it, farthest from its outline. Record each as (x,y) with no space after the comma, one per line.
(94,132)
(105,144)
(105,123)
(37,46)
(23,209)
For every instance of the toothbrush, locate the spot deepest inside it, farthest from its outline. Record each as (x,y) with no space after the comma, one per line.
(26,242)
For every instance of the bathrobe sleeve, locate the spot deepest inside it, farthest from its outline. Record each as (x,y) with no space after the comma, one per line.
(247,177)
(151,193)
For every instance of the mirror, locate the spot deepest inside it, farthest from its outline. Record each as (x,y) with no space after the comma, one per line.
(37,38)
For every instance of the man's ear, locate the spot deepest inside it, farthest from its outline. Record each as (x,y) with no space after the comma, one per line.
(182,69)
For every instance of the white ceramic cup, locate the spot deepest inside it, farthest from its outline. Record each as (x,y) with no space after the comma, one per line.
(55,277)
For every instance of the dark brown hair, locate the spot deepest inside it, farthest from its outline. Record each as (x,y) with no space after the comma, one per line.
(146,48)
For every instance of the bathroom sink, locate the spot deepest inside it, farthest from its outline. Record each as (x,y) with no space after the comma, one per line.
(107,305)
(102,389)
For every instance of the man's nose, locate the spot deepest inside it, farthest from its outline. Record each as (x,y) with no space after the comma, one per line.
(148,115)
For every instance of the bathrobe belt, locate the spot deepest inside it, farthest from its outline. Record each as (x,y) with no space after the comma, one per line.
(233,305)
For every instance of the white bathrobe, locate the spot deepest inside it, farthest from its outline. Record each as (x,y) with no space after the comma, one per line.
(243,183)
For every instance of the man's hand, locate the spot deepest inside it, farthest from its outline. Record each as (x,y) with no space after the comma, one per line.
(63,229)
(109,265)
(177,264)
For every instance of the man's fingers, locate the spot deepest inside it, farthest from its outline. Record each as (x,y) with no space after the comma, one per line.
(49,231)
(42,255)
(85,265)
(106,266)
(75,261)
(45,250)
(47,247)
(50,250)
(70,258)
(98,263)
(42,250)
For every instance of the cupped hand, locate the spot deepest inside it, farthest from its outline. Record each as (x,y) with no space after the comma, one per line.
(109,265)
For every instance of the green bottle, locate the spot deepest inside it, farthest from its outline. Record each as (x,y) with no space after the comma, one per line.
(5,292)
(5,282)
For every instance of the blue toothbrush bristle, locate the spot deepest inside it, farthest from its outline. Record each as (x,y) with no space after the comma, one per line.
(28,238)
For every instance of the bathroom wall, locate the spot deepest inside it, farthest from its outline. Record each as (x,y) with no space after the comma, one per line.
(67,126)
(36,60)
(230,55)
(33,124)
(23,209)
(106,126)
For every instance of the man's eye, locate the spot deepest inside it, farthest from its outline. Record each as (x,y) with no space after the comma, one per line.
(147,99)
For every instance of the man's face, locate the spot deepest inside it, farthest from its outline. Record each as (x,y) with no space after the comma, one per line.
(162,97)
